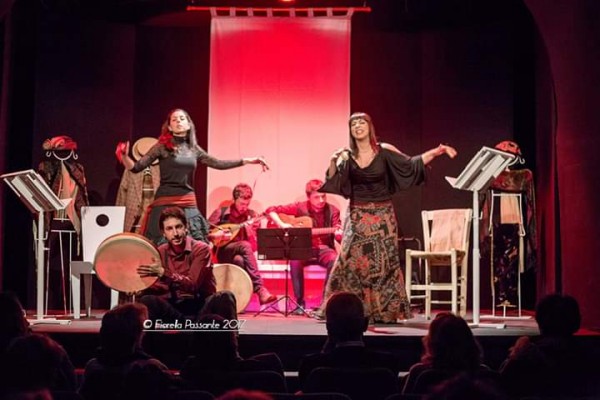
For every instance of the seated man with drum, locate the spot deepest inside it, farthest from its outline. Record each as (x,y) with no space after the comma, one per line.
(324,218)
(185,274)
(235,238)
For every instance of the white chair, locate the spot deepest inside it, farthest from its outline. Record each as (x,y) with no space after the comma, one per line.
(446,244)
(97,223)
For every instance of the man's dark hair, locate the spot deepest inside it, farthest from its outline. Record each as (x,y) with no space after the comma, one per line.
(242,189)
(172,212)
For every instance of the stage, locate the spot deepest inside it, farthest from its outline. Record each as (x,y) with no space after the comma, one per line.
(293,336)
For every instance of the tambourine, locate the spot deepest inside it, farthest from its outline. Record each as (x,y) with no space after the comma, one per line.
(118,258)
(235,279)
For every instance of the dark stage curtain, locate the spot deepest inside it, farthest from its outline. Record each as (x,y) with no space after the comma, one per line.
(570,221)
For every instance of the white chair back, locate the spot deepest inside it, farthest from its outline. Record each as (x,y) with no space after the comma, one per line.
(98,223)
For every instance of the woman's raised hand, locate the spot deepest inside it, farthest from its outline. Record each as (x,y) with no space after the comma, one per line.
(448,150)
(257,160)
(122,150)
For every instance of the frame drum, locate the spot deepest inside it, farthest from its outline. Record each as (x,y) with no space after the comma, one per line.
(235,279)
(118,258)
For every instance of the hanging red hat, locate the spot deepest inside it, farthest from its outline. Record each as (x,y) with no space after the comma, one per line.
(59,143)
(509,146)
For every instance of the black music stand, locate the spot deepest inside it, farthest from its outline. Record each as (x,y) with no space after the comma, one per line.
(284,244)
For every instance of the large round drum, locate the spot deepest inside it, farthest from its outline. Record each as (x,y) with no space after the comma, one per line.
(118,258)
(235,279)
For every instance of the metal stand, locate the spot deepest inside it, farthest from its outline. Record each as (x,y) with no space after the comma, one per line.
(69,234)
(484,167)
(476,268)
(288,299)
(39,198)
(284,244)
(519,213)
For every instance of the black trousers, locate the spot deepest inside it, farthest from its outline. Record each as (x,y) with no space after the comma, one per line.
(222,303)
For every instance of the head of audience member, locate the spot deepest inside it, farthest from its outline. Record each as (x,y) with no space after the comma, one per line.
(14,324)
(465,387)
(558,316)
(450,344)
(243,394)
(361,126)
(178,124)
(35,362)
(34,394)
(222,303)
(122,330)
(146,381)
(173,226)
(242,196)
(216,344)
(316,199)
(345,317)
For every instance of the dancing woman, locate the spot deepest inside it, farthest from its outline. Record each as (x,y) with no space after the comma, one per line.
(369,173)
(178,153)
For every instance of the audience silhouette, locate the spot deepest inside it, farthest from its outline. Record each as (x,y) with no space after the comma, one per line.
(465,387)
(121,353)
(552,364)
(35,363)
(14,324)
(449,349)
(345,347)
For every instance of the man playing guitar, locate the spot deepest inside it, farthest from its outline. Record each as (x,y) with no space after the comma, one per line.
(321,215)
(235,238)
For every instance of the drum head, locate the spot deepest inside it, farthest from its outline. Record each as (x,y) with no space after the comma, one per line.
(235,279)
(118,258)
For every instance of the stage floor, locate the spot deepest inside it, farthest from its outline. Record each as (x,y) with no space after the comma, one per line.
(276,323)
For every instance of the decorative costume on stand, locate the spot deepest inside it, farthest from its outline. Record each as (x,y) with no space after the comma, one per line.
(66,177)
(509,230)
(136,191)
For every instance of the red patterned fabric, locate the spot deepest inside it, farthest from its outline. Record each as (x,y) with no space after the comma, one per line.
(369,263)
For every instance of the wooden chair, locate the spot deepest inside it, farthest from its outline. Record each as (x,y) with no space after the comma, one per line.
(446,244)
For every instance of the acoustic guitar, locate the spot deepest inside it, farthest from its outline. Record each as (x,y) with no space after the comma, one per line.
(233,228)
(306,222)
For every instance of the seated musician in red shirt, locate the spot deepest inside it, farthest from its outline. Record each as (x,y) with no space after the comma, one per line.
(321,215)
(185,275)
(236,240)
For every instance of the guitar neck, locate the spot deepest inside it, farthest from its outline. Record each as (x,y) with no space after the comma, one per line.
(306,222)
(322,231)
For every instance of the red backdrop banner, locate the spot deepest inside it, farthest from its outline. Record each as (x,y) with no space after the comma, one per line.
(279,87)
